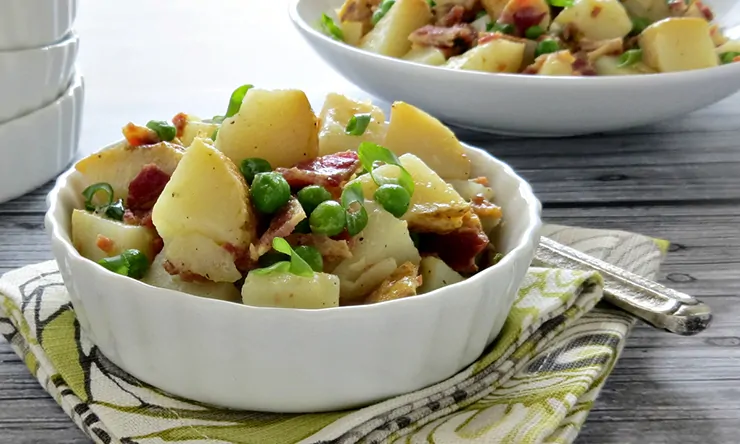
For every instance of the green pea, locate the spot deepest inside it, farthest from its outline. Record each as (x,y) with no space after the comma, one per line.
(328,218)
(253,166)
(131,263)
(312,256)
(270,191)
(164,130)
(534,32)
(394,198)
(546,47)
(311,196)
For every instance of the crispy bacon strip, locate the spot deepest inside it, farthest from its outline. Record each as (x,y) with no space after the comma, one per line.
(456,36)
(281,225)
(486,37)
(523,18)
(146,187)
(180,121)
(460,247)
(582,66)
(402,283)
(105,243)
(331,171)
(139,135)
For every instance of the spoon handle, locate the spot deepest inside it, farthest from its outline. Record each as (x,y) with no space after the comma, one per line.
(650,301)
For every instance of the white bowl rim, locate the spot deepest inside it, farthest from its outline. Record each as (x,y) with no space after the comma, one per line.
(594,81)
(66,39)
(528,237)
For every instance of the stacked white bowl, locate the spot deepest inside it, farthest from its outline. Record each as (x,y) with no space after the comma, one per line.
(41,94)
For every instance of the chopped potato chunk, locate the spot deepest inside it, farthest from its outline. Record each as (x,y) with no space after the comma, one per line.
(678,44)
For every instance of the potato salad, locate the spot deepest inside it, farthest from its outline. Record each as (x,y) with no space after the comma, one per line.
(538,37)
(272,206)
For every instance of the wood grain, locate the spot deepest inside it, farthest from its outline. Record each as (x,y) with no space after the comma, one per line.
(678,180)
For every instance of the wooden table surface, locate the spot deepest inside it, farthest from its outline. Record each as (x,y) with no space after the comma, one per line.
(679,180)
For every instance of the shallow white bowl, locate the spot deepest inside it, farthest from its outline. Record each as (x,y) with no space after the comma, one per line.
(32,78)
(34,23)
(285,360)
(515,104)
(36,147)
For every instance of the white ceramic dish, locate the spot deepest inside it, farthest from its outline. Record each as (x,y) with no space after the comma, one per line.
(516,104)
(36,147)
(34,23)
(32,78)
(286,360)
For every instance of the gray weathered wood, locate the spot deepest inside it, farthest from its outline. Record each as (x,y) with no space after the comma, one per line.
(678,180)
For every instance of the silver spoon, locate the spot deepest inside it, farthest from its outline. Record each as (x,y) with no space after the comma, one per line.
(650,301)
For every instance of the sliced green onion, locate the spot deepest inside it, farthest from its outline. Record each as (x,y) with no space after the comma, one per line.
(370,153)
(534,32)
(131,263)
(497,258)
(115,210)
(546,46)
(90,192)
(382,10)
(561,3)
(271,258)
(165,131)
(214,135)
(235,103)
(728,57)
(432,3)
(480,14)
(298,265)
(504,28)
(277,267)
(353,200)
(629,58)
(331,29)
(639,24)
(358,124)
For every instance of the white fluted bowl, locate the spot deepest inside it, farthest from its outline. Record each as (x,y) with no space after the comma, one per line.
(32,78)
(290,360)
(38,146)
(518,104)
(34,23)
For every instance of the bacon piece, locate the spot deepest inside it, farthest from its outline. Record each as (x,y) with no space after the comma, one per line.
(596,11)
(357,10)
(243,259)
(486,37)
(331,171)
(583,67)
(523,18)
(139,135)
(459,248)
(598,49)
(677,7)
(180,121)
(145,188)
(105,243)
(143,218)
(329,248)
(402,283)
(281,225)
(186,276)
(456,36)
(454,16)
(482,207)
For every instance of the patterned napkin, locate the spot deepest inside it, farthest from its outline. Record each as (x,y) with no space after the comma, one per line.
(536,384)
